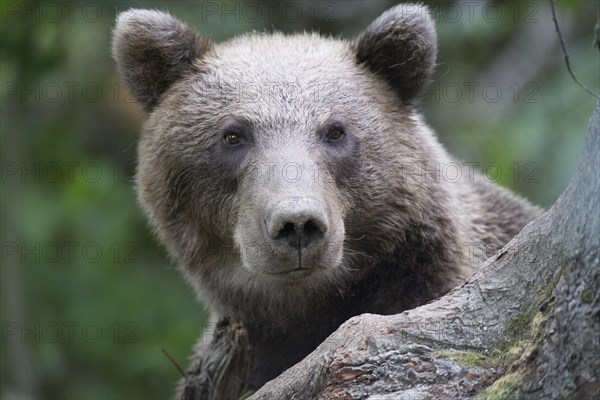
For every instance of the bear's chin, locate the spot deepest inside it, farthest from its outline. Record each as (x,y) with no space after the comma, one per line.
(286,271)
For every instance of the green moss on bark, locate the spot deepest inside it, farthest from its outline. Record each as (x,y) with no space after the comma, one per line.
(520,338)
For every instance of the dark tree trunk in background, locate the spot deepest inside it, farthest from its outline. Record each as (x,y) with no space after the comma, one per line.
(525,325)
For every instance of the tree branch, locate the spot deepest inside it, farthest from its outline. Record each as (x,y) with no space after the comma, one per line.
(564,49)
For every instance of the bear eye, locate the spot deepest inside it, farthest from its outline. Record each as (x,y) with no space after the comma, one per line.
(335,133)
(232,138)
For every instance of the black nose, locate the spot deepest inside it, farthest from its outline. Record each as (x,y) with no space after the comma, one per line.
(297,222)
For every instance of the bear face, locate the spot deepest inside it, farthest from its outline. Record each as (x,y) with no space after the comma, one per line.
(267,163)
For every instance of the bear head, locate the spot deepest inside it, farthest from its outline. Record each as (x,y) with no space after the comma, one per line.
(269,165)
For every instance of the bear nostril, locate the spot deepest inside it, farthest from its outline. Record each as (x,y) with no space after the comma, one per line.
(288,231)
(311,229)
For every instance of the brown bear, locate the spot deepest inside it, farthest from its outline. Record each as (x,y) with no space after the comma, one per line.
(294,180)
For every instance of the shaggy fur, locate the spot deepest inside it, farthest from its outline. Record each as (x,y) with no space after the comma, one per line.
(392,233)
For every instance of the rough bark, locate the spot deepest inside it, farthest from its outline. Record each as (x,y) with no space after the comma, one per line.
(222,372)
(525,325)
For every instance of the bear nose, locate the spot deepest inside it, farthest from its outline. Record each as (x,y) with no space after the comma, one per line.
(297,222)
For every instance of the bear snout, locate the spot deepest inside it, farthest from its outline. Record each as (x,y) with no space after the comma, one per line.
(297,222)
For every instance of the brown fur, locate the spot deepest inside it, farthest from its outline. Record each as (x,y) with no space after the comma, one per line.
(388,239)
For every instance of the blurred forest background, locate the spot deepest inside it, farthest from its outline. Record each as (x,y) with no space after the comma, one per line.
(88,296)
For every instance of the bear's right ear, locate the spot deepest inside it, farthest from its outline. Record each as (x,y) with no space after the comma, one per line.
(400,46)
(153,50)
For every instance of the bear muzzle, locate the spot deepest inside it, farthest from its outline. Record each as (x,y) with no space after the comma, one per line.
(296,232)
(289,227)
(298,238)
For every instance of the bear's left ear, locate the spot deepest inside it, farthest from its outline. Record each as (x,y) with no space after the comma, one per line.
(153,50)
(400,46)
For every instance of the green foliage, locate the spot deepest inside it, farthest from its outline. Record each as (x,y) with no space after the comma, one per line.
(69,132)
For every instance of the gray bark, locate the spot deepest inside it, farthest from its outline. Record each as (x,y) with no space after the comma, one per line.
(524,326)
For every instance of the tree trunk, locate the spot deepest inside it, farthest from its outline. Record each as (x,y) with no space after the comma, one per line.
(525,325)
